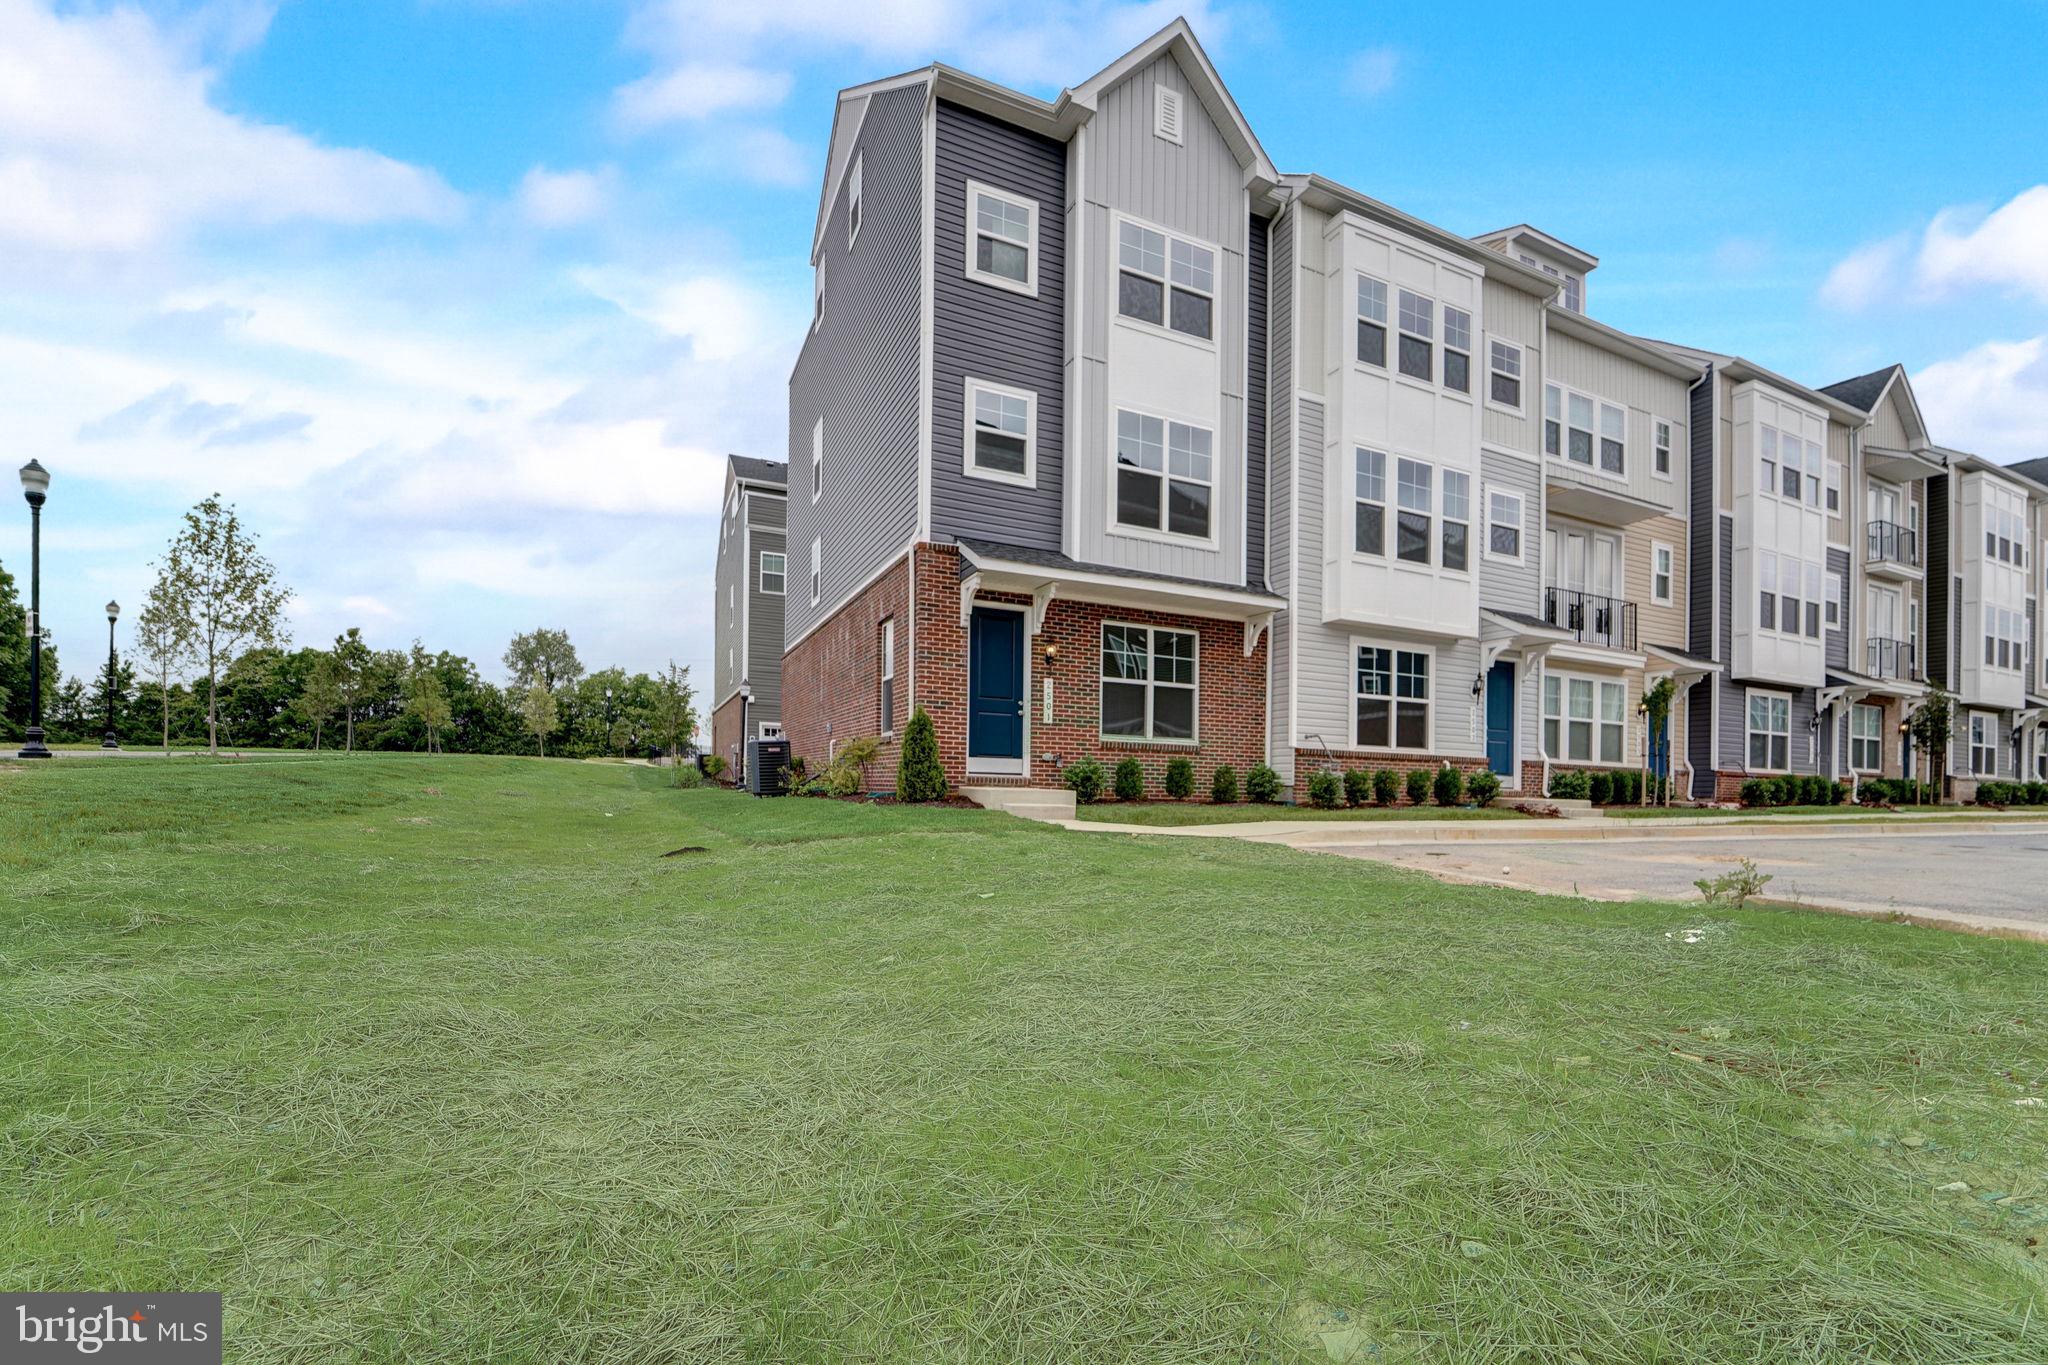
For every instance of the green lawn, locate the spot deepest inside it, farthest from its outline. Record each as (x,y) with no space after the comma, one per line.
(442,1060)
(1192,813)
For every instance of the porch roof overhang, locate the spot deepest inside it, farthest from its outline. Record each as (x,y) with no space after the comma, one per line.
(1598,656)
(1582,497)
(1530,636)
(1864,685)
(1900,466)
(1043,575)
(1662,660)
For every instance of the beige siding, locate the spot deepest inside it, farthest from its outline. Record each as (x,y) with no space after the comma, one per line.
(1888,424)
(1659,625)
(1840,446)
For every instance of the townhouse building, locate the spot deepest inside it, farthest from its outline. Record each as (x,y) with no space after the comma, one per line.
(751,584)
(1110,440)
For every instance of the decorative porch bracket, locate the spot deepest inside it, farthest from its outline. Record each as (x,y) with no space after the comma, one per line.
(969,586)
(1041,602)
(1255,626)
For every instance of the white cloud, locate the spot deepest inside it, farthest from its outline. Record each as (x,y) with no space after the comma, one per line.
(109,141)
(721,317)
(1992,399)
(560,199)
(1373,72)
(697,90)
(1960,250)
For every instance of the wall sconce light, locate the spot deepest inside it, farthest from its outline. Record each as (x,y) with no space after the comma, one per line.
(1052,649)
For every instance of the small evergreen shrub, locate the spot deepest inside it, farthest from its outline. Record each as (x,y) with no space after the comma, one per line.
(1325,789)
(1386,788)
(1570,784)
(1784,790)
(1180,778)
(1450,786)
(1836,793)
(1755,792)
(1262,784)
(1357,787)
(1130,780)
(1417,783)
(1599,788)
(1482,787)
(1223,787)
(919,774)
(2037,793)
(1085,777)
(1627,787)
(713,764)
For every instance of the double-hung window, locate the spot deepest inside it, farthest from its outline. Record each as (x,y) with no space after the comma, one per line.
(817,459)
(853,200)
(1788,594)
(1866,738)
(1833,609)
(1770,731)
(1983,744)
(1165,474)
(1001,436)
(1413,493)
(1660,447)
(1166,281)
(1661,561)
(1613,439)
(1504,374)
(1503,525)
(1553,420)
(817,570)
(1002,239)
(1834,494)
(1457,349)
(1148,683)
(1579,430)
(1369,502)
(1393,698)
(1585,720)
(1457,519)
(1372,321)
(1767,591)
(1767,461)
(1813,601)
(1418,332)
(887,700)
(1790,459)
(774,572)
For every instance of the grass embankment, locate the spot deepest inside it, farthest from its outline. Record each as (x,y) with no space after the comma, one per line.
(443,1060)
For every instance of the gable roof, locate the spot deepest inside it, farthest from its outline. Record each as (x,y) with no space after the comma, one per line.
(773,474)
(1557,247)
(1179,39)
(1864,390)
(2037,470)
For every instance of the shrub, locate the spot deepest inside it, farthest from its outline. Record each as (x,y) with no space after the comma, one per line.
(1325,789)
(1180,778)
(1482,787)
(1085,777)
(1449,785)
(1600,788)
(1262,784)
(1836,793)
(1755,792)
(1784,790)
(1357,787)
(1223,787)
(2037,793)
(847,773)
(1130,780)
(1386,787)
(1570,784)
(1813,790)
(1995,794)
(1628,787)
(713,765)
(919,774)
(1416,783)
(1734,888)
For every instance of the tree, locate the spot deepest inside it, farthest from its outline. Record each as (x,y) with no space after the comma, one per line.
(1930,728)
(542,656)
(919,774)
(426,699)
(164,636)
(675,712)
(228,593)
(351,676)
(319,697)
(537,714)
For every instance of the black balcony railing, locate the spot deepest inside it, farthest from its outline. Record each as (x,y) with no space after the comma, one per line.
(1591,619)
(1890,659)
(1894,544)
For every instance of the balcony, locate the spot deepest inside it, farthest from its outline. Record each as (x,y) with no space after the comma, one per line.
(1607,622)
(1890,548)
(1891,659)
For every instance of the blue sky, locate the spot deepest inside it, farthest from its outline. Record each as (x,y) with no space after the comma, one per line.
(463,301)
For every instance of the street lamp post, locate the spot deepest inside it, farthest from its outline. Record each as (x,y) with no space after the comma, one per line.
(113,614)
(35,486)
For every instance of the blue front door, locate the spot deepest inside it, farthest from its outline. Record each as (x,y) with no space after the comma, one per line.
(1500,719)
(1660,748)
(995,685)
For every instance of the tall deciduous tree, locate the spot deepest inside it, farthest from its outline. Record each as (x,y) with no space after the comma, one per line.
(227,591)
(164,637)
(537,714)
(542,656)
(1931,728)
(319,697)
(426,698)
(675,711)
(351,677)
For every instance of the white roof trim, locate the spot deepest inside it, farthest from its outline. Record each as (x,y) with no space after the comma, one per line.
(1179,39)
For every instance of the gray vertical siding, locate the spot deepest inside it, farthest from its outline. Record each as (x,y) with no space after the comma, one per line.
(1278,509)
(1939,611)
(1701,557)
(1503,584)
(861,370)
(1255,403)
(1838,640)
(728,578)
(982,332)
(764,612)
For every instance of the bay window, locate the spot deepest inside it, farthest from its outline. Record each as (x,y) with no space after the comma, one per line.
(1411,523)
(1418,330)
(1457,349)
(1148,683)
(1613,439)
(1165,475)
(1457,518)
(1392,694)
(1579,431)
(1369,502)
(1372,321)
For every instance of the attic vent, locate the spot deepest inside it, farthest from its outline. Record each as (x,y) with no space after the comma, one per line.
(1166,113)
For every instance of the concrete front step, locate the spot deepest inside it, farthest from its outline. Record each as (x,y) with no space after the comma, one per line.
(1028,803)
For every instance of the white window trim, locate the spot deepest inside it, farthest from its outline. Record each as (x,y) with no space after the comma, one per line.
(817,459)
(1473,338)
(817,571)
(1102,681)
(1564,438)
(1831,601)
(1564,717)
(1747,731)
(1672,427)
(1397,329)
(818,296)
(1111,526)
(888,675)
(1029,478)
(761,571)
(1385,324)
(1522,378)
(1990,746)
(1396,648)
(1877,740)
(856,205)
(1164,328)
(1385,504)
(1658,547)
(1029,286)
(1835,481)
(1486,549)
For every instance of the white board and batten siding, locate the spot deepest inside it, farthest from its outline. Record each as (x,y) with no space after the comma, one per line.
(1192,189)
(1648,394)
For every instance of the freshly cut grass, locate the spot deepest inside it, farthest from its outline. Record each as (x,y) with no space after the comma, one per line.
(1191,813)
(441,1060)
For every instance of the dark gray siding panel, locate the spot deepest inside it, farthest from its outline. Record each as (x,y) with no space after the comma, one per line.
(860,371)
(764,622)
(1700,554)
(1724,578)
(1274,510)
(1939,611)
(982,332)
(1699,737)
(1255,406)
(1838,639)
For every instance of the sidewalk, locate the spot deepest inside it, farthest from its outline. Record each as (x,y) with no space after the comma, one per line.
(1312,833)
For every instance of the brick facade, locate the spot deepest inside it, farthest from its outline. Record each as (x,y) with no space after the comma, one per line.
(726,740)
(832,679)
